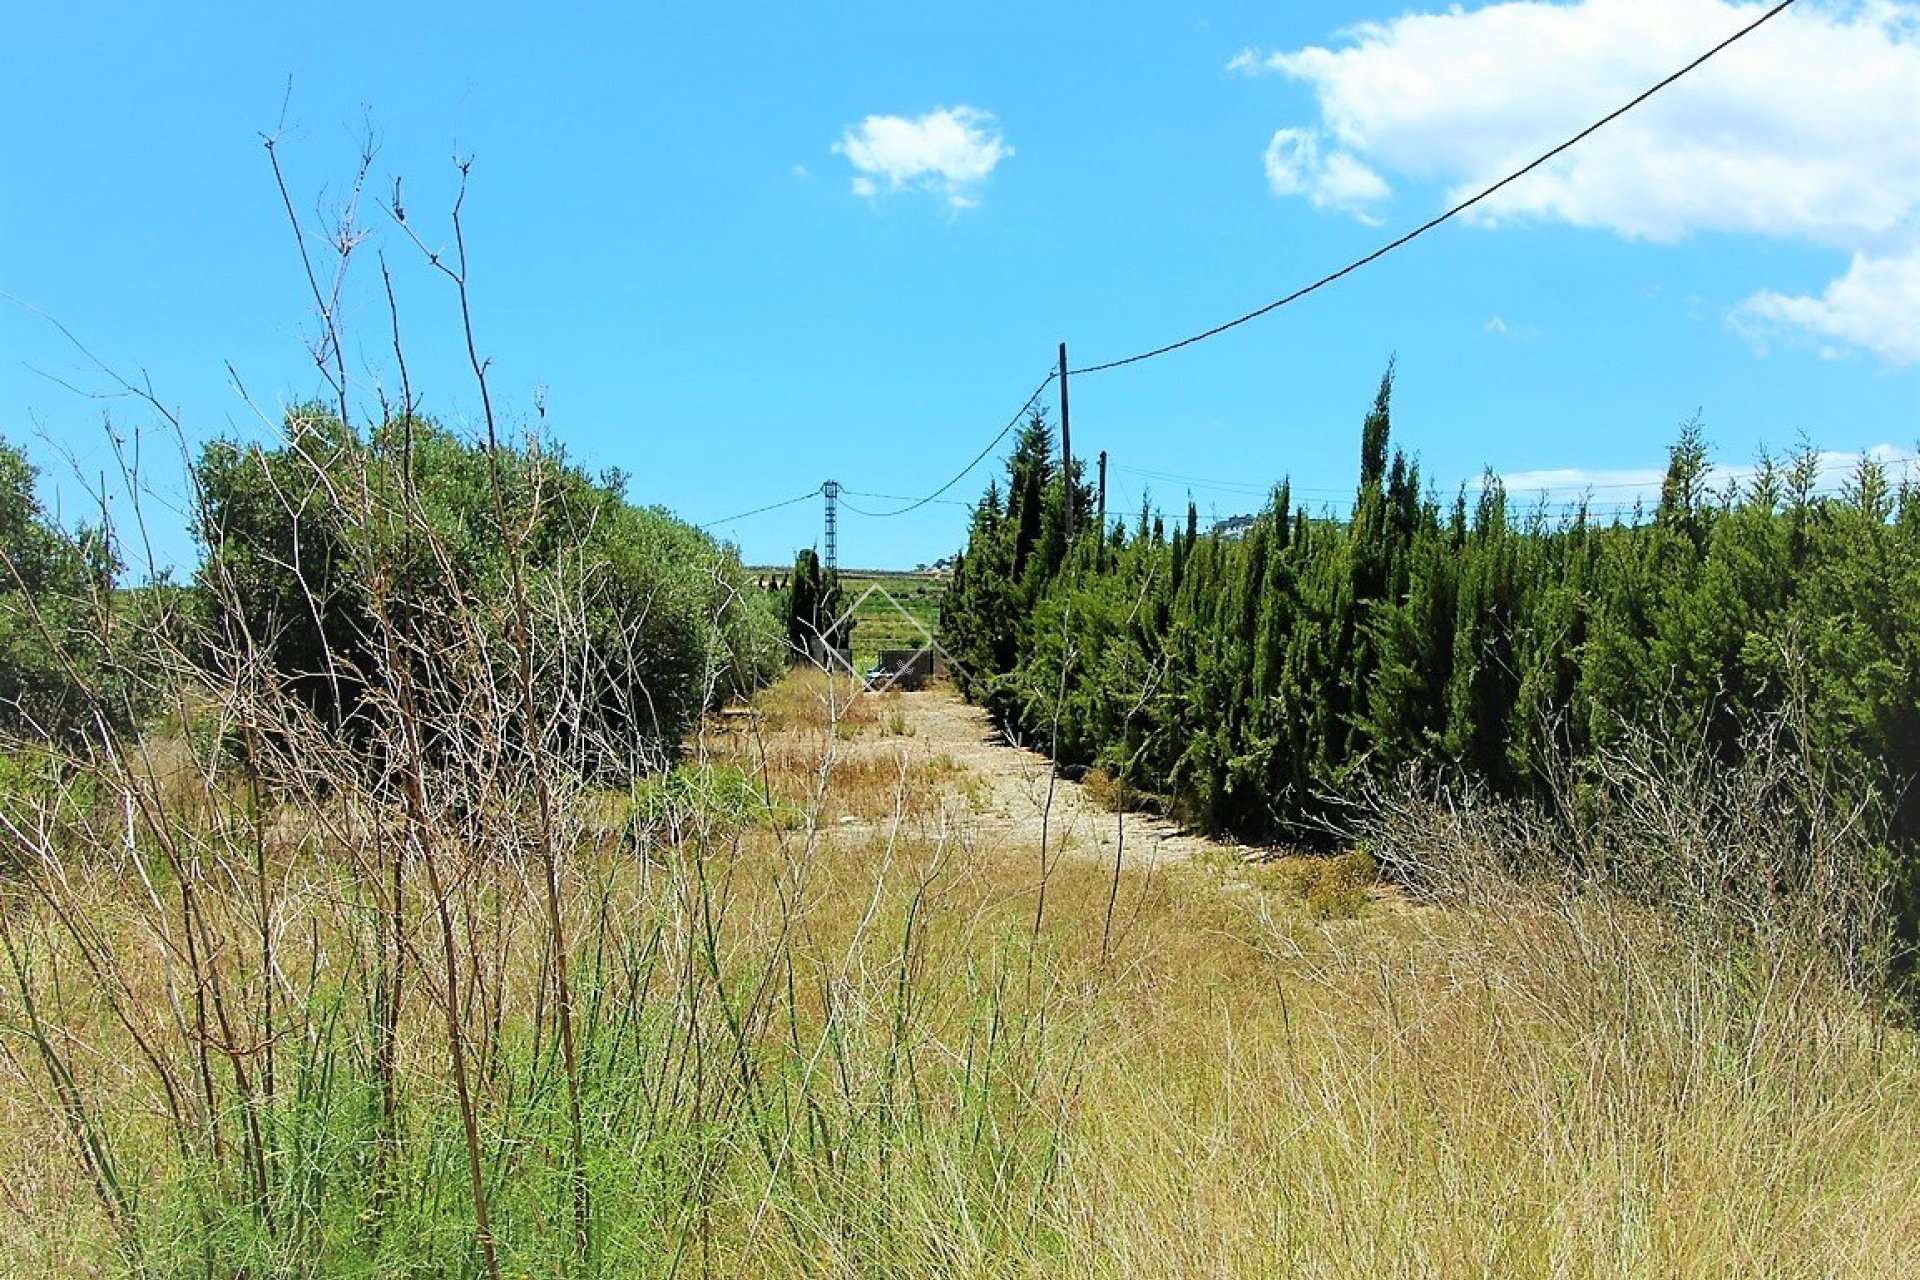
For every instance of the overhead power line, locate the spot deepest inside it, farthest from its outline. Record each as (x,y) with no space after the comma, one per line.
(889,497)
(1197,482)
(771,506)
(1456,210)
(1014,421)
(1381,252)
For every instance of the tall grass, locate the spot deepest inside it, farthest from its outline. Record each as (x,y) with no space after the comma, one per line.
(247,1038)
(841,1049)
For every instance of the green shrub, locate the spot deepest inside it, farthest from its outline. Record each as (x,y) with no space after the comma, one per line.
(691,798)
(348,563)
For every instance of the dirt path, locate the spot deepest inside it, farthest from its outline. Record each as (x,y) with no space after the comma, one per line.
(1002,790)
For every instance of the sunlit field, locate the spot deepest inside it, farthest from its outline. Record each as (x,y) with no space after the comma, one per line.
(823,1027)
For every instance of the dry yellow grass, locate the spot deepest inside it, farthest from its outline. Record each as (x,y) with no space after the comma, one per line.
(844,1049)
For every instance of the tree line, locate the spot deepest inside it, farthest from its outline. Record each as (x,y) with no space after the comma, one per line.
(1252,684)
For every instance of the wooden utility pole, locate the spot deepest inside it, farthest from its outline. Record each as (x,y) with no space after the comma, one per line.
(1103,495)
(1066,442)
(1100,545)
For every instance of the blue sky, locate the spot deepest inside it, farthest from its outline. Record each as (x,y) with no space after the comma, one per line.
(737,253)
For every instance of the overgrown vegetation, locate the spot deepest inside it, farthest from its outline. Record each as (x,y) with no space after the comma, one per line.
(784,1011)
(698,799)
(351,984)
(331,560)
(1260,685)
(870,1047)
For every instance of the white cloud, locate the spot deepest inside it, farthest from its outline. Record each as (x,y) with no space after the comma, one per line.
(950,151)
(1346,183)
(1336,181)
(1875,306)
(1496,326)
(1292,157)
(1805,129)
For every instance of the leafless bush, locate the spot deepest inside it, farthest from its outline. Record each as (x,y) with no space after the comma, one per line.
(1772,845)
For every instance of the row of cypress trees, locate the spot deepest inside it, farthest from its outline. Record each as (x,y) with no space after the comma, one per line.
(1251,681)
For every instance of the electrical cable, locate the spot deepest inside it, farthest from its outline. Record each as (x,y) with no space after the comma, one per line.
(960,475)
(1457,209)
(771,506)
(889,497)
(1168,477)
(1322,282)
